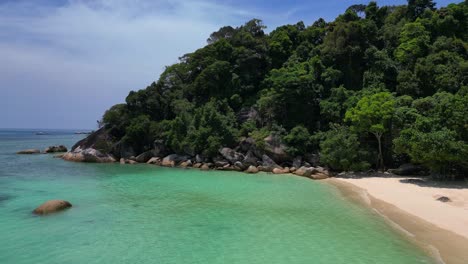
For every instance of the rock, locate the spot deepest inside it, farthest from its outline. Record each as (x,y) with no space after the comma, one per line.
(97,147)
(292,169)
(221,163)
(304,171)
(159,149)
(186,164)
(52,206)
(268,164)
(206,166)
(88,155)
(29,151)
(319,176)
(231,155)
(409,169)
(240,165)
(250,159)
(297,162)
(199,159)
(275,149)
(54,149)
(197,165)
(248,114)
(444,199)
(248,144)
(155,161)
(59,156)
(123,150)
(278,171)
(173,159)
(122,161)
(144,157)
(252,169)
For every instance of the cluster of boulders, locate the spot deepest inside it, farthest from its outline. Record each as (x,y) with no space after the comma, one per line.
(231,160)
(50,149)
(247,157)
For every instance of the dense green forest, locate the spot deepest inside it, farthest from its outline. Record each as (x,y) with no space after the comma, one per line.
(377,87)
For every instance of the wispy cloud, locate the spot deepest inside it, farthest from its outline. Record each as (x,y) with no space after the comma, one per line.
(91,53)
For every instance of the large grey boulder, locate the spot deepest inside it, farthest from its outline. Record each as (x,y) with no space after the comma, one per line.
(52,206)
(297,162)
(88,155)
(144,157)
(268,164)
(275,149)
(250,159)
(231,155)
(97,147)
(173,159)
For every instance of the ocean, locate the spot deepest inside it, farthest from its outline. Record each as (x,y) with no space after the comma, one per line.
(147,214)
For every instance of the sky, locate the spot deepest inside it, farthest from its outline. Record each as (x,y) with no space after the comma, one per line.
(64,62)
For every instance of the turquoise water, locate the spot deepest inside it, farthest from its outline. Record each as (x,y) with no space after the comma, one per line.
(147,214)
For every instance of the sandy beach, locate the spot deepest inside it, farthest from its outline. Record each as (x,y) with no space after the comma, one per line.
(412,206)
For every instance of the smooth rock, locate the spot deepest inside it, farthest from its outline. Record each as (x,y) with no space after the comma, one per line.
(144,157)
(52,206)
(29,151)
(231,155)
(155,161)
(252,169)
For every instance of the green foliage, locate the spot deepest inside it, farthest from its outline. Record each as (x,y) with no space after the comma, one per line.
(340,150)
(373,114)
(393,72)
(298,140)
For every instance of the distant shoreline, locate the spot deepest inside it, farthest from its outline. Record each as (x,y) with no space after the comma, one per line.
(439,228)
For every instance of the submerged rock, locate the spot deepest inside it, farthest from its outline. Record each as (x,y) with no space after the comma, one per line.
(29,151)
(52,206)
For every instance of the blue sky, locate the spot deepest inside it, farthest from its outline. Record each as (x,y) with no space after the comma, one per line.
(64,62)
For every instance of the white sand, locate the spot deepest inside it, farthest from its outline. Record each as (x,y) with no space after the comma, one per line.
(440,229)
(421,201)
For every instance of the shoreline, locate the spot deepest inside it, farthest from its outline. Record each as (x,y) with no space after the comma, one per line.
(444,245)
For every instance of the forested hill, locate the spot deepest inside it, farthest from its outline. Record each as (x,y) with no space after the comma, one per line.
(379,79)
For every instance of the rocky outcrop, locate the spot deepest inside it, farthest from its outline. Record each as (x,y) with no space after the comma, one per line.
(52,206)
(88,155)
(231,155)
(29,151)
(173,159)
(54,149)
(250,159)
(268,164)
(275,149)
(97,147)
(144,157)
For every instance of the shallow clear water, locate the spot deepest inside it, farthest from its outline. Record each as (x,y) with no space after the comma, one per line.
(147,214)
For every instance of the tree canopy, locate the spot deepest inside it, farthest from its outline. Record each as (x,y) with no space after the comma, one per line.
(390,80)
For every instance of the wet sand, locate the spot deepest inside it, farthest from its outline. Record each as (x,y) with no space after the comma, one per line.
(441,229)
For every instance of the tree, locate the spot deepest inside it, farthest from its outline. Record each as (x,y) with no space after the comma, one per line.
(417,7)
(373,114)
(340,150)
(298,140)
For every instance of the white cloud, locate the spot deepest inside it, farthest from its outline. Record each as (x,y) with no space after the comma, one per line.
(92,53)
